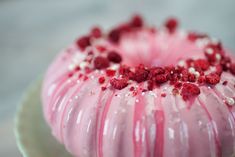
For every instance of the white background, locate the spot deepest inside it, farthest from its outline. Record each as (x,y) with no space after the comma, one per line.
(32,32)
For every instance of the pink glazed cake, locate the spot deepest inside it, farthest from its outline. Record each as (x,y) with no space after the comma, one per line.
(142,91)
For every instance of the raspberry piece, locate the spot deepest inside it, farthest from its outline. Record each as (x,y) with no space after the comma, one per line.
(119,83)
(110,72)
(189,62)
(125,71)
(140,74)
(178,85)
(96,32)
(163,95)
(101,62)
(70,74)
(155,71)
(162,78)
(212,78)
(101,48)
(201,79)
(171,24)
(113,56)
(191,77)
(85,78)
(225,83)
(114,35)
(103,88)
(219,69)
(201,64)
(101,80)
(211,57)
(193,36)
(132,88)
(189,90)
(232,68)
(150,85)
(184,75)
(225,63)
(83,42)
(136,21)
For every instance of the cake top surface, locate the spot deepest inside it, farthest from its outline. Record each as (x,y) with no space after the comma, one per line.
(133,54)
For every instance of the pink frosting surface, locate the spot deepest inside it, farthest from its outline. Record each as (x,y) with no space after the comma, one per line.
(114,123)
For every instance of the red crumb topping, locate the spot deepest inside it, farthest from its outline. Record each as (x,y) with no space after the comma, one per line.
(83,42)
(232,68)
(132,88)
(70,74)
(189,90)
(101,62)
(101,80)
(163,95)
(110,72)
(201,64)
(225,83)
(119,83)
(101,48)
(114,35)
(212,78)
(85,78)
(113,56)
(136,21)
(185,79)
(193,36)
(150,85)
(140,74)
(103,88)
(201,79)
(171,24)
(96,32)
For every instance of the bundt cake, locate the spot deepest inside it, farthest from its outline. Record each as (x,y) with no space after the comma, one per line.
(142,91)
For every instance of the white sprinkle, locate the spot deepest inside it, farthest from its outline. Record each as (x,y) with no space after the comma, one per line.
(191,70)
(83,65)
(137,100)
(181,63)
(143,93)
(230,101)
(71,67)
(197,74)
(218,57)
(114,67)
(209,51)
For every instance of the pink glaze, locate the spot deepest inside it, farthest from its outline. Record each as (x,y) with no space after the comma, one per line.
(114,123)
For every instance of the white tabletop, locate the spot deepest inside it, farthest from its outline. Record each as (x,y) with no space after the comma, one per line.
(32,32)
